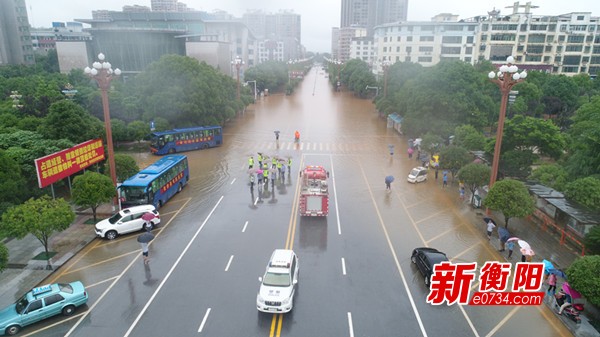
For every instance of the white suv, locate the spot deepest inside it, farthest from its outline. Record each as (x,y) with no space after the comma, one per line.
(278,285)
(126,221)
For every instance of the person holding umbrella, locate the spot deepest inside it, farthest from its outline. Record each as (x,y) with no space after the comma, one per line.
(144,239)
(148,217)
(388,182)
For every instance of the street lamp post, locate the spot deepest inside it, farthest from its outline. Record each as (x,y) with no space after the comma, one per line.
(386,66)
(254,82)
(337,80)
(505,78)
(103,73)
(237,62)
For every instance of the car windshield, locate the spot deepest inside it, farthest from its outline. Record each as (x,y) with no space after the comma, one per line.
(414,172)
(113,219)
(134,194)
(22,304)
(277,279)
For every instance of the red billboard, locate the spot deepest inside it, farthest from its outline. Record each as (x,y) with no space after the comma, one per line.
(62,164)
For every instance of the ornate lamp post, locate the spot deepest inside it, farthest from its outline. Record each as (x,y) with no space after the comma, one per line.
(16,97)
(386,66)
(238,63)
(103,73)
(338,84)
(505,78)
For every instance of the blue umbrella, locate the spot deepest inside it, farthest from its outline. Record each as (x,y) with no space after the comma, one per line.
(557,272)
(389,179)
(503,234)
(547,265)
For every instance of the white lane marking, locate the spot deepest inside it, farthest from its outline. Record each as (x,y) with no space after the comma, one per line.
(232,181)
(229,263)
(343,266)
(204,320)
(337,211)
(245,225)
(98,283)
(137,319)
(76,325)
(501,323)
(350,327)
(395,256)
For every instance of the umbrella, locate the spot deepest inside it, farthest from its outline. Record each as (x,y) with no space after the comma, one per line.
(557,272)
(389,179)
(148,216)
(259,171)
(527,251)
(490,219)
(503,234)
(547,265)
(566,287)
(522,244)
(145,237)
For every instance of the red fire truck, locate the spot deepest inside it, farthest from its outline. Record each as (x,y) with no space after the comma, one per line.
(314,195)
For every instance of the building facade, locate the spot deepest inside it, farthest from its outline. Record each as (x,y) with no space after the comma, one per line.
(44,39)
(15,36)
(371,13)
(283,28)
(564,44)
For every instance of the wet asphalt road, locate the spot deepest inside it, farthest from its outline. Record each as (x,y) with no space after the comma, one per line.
(356,278)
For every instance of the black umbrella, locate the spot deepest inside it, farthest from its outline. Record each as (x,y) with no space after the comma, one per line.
(145,237)
(488,220)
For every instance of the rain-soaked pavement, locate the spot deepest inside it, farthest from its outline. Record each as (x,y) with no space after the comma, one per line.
(356,277)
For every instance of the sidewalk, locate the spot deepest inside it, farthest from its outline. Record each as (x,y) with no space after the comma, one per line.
(23,273)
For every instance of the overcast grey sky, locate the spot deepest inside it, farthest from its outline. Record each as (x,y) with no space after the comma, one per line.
(318,16)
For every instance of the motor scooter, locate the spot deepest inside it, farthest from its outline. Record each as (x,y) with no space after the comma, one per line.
(569,311)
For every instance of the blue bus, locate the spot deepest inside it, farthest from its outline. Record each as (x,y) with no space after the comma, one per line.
(178,140)
(156,183)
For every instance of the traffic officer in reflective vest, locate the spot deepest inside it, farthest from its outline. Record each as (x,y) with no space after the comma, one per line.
(250,162)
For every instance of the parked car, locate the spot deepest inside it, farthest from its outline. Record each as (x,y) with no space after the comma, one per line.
(425,258)
(40,303)
(128,220)
(278,285)
(417,175)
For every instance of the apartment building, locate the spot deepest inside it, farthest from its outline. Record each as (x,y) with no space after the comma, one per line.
(15,38)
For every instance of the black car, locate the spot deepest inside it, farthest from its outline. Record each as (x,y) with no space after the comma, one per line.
(425,258)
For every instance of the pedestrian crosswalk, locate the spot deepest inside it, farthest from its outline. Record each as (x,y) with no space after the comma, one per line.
(321,147)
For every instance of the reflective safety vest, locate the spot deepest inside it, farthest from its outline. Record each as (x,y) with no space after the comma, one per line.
(279,165)
(289,161)
(266,174)
(251,161)
(259,157)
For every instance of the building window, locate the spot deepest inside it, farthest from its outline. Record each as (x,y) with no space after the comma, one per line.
(398,49)
(548,49)
(563,28)
(546,59)
(575,39)
(469,39)
(409,38)
(408,49)
(407,59)
(468,59)
(580,17)
(426,59)
(384,49)
(385,39)
(398,39)
(549,38)
(576,48)
(452,39)
(469,50)
(561,38)
(451,50)
(536,38)
(425,49)
(426,38)
(485,27)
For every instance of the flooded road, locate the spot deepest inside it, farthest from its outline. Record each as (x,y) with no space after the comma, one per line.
(356,277)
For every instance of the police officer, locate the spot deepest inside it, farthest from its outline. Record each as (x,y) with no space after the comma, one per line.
(279,166)
(250,162)
(289,163)
(260,158)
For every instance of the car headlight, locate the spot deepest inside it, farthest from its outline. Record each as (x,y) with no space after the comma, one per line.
(285,301)
(260,299)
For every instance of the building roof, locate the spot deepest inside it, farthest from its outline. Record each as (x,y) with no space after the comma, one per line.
(557,199)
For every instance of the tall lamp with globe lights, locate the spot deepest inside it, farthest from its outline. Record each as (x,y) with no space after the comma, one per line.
(103,73)
(238,63)
(506,77)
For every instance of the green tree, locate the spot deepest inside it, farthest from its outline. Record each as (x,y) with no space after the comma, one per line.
(516,163)
(585,191)
(126,167)
(453,158)
(92,189)
(550,175)
(468,137)
(510,197)
(68,120)
(533,134)
(584,135)
(592,241)
(119,130)
(3,257)
(138,130)
(12,182)
(474,175)
(432,143)
(40,217)
(584,276)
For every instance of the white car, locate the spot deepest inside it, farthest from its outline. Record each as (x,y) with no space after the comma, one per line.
(278,285)
(417,175)
(126,221)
